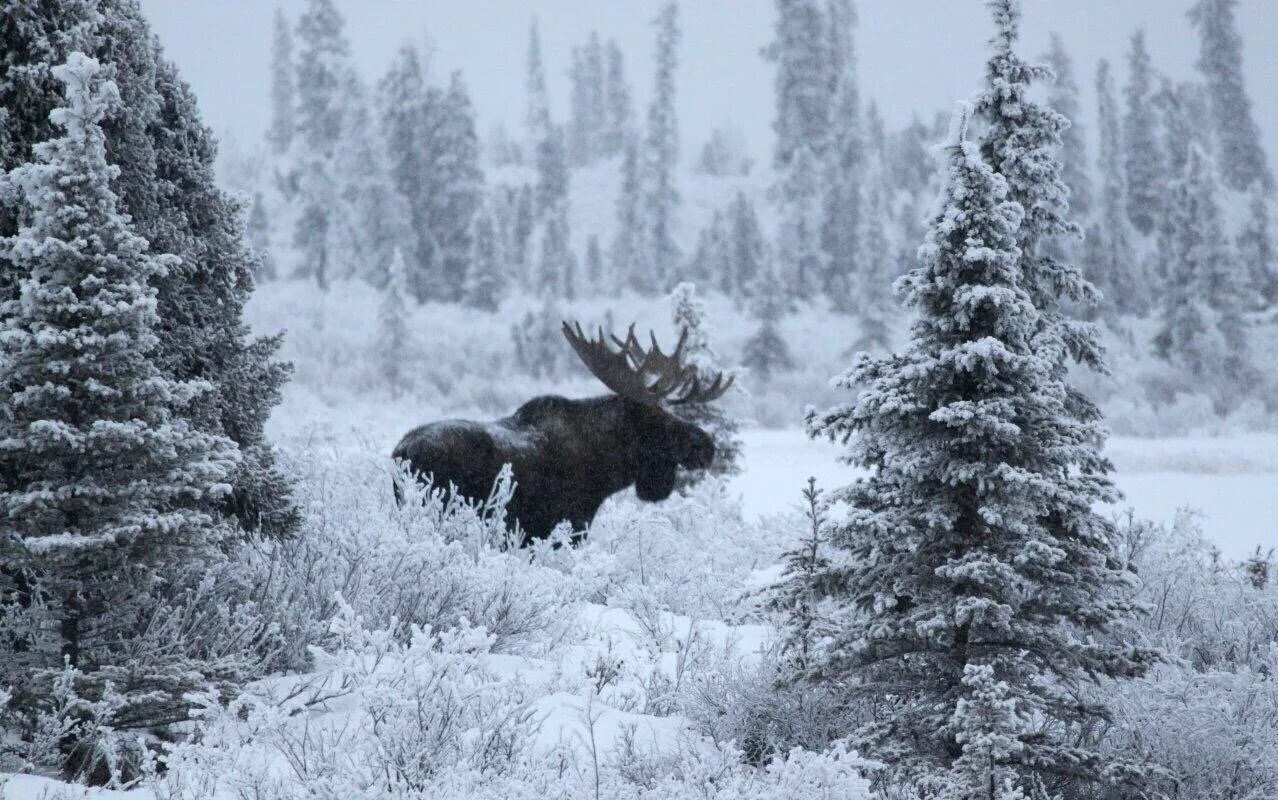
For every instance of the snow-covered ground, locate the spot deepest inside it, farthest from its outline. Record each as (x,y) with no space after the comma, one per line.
(1231,481)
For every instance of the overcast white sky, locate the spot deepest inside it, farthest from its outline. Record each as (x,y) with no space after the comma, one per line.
(915,55)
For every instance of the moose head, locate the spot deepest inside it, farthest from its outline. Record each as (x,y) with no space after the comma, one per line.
(568,456)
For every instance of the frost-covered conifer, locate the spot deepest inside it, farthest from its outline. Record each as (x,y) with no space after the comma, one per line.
(974,539)
(800,49)
(259,235)
(989,727)
(876,306)
(661,155)
(556,266)
(283,97)
(108,483)
(1111,261)
(618,113)
(1202,327)
(843,250)
(629,263)
(521,235)
(393,321)
(595,278)
(1063,99)
(745,249)
(690,317)
(1239,153)
(537,117)
(552,171)
(1142,152)
(1256,248)
(402,106)
(765,353)
(322,69)
(795,601)
(459,184)
(485,281)
(372,223)
(799,237)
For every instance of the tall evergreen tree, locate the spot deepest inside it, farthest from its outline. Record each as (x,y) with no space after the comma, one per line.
(799,237)
(109,482)
(745,248)
(629,264)
(841,221)
(394,341)
(322,71)
(1240,155)
(618,112)
(283,96)
(1202,327)
(485,282)
(373,223)
(1143,157)
(595,278)
(661,154)
(459,185)
(1110,252)
(579,131)
(521,235)
(1256,248)
(875,305)
(556,278)
(552,172)
(974,541)
(765,353)
(402,102)
(1063,98)
(537,117)
(800,49)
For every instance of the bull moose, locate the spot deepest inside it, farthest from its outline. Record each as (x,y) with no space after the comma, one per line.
(568,456)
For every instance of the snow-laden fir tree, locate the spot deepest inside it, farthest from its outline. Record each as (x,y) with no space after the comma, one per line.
(485,279)
(799,235)
(373,222)
(1202,328)
(974,539)
(1240,155)
(800,49)
(402,105)
(1142,152)
(595,276)
(661,155)
(556,266)
(628,254)
(844,174)
(537,116)
(587,121)
(795,601)
(1063,98)
(283,97)
(989,727)
(552,171)
(521,235)
(745,249)
(392,319)
(322,69)
(108,483)
(618,112)
(875,305)
(691,318)
(459,184)
(707,264)
(1110,253)
(766,353)
(1256,248)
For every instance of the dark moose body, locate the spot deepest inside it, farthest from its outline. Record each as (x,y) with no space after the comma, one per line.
(568,456)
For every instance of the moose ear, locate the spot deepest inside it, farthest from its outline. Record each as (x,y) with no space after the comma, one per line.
(655,478)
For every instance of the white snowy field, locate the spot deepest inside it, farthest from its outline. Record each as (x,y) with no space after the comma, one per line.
(1231,481)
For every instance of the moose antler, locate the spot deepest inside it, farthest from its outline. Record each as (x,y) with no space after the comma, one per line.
(627,370)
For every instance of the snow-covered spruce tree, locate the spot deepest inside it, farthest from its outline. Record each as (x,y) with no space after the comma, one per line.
(485,280)
(1142,152)
(876,308)
(521,236)
(537,115)
(800,49)
(628,255)
(799,236)
(690,317)
(393,339)
(989,727)
(1239,153)
(108,484)
(973,540)
(795,600)
(710,245)
(841,222)
(618,113)
(283,96)
(661,156)
(321,75)
(1110,254)
(745,249)
(1202,328)
(595,278)
(459,187)
(556,266)
(402,104)
(1256,248)
(1063,98)
(373,223)
(552,172)
(765,353)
